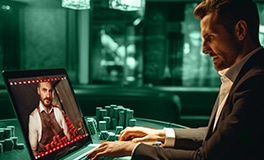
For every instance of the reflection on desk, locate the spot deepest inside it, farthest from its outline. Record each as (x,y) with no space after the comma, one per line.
(23,154)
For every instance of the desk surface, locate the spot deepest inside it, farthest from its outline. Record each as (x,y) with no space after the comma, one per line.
(23,154)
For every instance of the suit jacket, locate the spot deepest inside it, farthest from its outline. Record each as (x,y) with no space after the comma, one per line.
(238,134)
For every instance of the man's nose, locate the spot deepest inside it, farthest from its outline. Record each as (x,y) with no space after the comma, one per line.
(206,49)
(49,94)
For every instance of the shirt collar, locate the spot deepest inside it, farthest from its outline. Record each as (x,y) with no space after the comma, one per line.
(223,77)
(41,107)
(232,72)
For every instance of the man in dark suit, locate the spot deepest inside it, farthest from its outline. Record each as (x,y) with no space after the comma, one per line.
(229,31)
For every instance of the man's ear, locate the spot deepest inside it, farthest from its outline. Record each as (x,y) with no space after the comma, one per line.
(38,90)
(241,29)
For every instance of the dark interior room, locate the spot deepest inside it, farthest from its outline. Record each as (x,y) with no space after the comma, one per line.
(144,55)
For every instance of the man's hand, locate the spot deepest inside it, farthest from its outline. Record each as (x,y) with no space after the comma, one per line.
(142,134)
(112,149)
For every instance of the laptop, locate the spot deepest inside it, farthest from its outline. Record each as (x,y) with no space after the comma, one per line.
(22,88)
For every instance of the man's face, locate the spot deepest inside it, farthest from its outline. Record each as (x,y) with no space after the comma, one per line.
(45,93)
(222,46)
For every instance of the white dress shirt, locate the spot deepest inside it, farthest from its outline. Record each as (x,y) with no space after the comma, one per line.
(226,84)
(35,126)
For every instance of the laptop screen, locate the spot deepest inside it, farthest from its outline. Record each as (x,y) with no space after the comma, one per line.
(46,107)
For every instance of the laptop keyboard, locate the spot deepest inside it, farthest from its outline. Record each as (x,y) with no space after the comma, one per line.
(101,158)
(81,154)
(108,158)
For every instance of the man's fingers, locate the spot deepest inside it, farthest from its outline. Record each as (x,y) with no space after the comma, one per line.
(130,133)
(142,139)
(93,153)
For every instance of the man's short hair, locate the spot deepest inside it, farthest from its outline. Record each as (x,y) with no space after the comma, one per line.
(229,12)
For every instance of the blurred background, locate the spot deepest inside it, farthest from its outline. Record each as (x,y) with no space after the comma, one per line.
(110,44)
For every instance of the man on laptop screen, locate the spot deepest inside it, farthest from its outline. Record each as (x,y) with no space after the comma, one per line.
(51,120)
(47,125)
